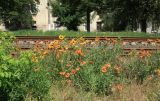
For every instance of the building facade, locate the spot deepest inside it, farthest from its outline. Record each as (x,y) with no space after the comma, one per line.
(43,20)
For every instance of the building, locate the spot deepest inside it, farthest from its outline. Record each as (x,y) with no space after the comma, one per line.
(43,20)
(2,27)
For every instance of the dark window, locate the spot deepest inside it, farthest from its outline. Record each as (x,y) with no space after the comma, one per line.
(99,26)
(34,26)
(57,24)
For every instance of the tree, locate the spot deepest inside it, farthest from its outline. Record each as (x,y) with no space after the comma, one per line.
(130,12)
(89,6)
(17,14)
(72,13)
(68,13)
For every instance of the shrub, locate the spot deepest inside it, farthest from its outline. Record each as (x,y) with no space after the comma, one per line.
(89,65)
(97,66)
(20,76)
(141,65)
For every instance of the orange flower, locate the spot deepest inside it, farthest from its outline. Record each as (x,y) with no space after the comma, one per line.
(144,53)
(78,69)
(104,69)
(67,75)
(62,73)
(79,52)
(108,65)
(54,44)
(83,62)
(73,42)
(50,45)
(73,71)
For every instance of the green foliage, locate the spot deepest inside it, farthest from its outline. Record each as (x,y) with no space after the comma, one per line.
(91,77)
(85,69)
(82,34)
(68,13)
(98,66)
(139,69)
(17,14)
(72,13)
(132,12)
(20,77)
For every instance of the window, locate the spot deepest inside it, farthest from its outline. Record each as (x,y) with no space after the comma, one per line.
(34,26)
(99,26)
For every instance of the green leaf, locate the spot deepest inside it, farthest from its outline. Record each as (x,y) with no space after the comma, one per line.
(0,83)
(2,74)
(6,74)
(4,67)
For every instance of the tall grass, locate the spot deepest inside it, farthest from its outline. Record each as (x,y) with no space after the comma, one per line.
(80,34)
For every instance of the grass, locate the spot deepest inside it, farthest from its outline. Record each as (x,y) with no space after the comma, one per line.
(131,92)
(80,34)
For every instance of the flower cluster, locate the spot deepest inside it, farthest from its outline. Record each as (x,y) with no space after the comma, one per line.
(105,68)
(91,63)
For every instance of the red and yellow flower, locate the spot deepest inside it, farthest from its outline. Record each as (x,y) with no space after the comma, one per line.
(67,75)
(79,52)
(144,53)
(105,68)
(73,71)
(73,42)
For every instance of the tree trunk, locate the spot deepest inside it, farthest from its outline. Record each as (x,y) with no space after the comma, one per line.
(88,20)
(144,25)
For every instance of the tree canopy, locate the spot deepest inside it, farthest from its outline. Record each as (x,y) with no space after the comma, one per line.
(68,13)
(115,14)
(131,12)
(72,13)
(17,14)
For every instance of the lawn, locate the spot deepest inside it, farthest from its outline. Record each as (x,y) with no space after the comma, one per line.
(80,34)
